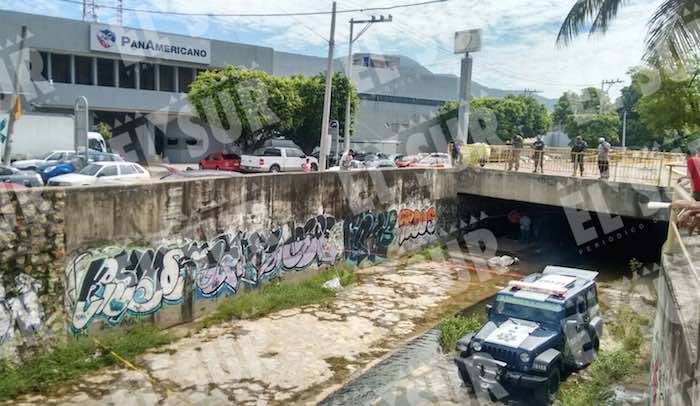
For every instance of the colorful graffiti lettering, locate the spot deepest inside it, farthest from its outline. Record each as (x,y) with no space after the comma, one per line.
(20,309)
(414,224)
(140,282)
(368,236)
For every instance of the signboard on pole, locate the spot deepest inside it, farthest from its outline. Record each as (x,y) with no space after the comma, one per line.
(467,41)
(125,41)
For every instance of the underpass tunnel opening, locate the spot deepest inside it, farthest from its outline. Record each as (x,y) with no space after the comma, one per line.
(559,236)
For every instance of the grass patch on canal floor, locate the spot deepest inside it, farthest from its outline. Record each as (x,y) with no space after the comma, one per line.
(278,295)
(69,360)
(455,327)
(610,367)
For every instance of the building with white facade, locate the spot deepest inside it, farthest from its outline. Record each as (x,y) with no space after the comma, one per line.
(137,79)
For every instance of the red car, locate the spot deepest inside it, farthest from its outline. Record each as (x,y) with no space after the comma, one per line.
(221,161)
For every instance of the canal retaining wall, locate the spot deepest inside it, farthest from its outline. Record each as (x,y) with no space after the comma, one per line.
(674,358)
(87,259)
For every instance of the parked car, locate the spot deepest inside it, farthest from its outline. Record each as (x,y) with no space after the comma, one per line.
(539,327)
(53,156)
(221,161)
(380,164)
(276,159)
(435,160)
(102,173)
(9,174)
(50,169)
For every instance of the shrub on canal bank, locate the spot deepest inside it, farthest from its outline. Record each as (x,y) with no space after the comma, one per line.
(278,295)
(68,361)
(455,327)
(611,366)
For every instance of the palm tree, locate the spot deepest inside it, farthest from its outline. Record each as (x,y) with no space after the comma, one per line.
(673,35)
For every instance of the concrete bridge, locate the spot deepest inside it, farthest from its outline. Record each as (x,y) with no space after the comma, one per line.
(585,194)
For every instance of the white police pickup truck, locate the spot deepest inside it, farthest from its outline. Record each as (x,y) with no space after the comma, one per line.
(537,327)
(277,159)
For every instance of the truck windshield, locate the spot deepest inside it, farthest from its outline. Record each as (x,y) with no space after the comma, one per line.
(528,309)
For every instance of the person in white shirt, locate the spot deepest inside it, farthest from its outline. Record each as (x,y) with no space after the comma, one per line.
(346,160)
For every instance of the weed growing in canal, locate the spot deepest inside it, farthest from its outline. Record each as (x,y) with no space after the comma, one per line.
(432,253)
(69,360)
(610,366)
(455,327)
(279,295)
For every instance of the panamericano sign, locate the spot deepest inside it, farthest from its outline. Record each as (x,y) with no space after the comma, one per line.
(120,40)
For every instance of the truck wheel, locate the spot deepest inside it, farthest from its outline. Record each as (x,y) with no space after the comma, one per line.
(547,393)
(274,168)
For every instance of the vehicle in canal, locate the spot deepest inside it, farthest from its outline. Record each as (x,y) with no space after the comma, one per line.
(539,327)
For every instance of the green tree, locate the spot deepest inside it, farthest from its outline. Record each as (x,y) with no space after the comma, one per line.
(637,133)
(253,106)
(564,109)
(591,99)
(307,132)
(673,110)
(104,130)
(593,126)
(514,114)
(672,34)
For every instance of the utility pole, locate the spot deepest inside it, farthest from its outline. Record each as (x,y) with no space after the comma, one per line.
(348,67)
(624,129)
(6,155)
(120,12)
(605,90)
(89,10)
(327,97)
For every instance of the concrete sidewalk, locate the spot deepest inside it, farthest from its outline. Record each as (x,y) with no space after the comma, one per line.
(296,356)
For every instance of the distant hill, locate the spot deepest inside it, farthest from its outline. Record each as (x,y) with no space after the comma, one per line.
(410,79)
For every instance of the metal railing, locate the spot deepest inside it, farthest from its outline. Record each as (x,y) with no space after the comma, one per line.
(648,167)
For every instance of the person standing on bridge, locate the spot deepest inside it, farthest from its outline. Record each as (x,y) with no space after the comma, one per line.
(516,143)
(693,168)
(603,160)
(346,160)
(538,156)
(577,152)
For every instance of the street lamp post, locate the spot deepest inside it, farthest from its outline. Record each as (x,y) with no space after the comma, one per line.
(348,68)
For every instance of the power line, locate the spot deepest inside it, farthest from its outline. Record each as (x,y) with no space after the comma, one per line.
(284,14)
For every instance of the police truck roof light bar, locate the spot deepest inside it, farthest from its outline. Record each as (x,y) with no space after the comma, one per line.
(534,287)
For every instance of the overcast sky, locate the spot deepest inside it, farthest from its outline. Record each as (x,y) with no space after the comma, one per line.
(518,47)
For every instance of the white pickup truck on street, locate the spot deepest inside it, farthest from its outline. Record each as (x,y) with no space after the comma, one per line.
(277,159)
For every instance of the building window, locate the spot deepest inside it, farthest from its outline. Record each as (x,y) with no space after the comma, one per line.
(60,68)
(83,70)
(147,76)
(127,75)
(39,66)
(184,76)
(105,72)
(167,78)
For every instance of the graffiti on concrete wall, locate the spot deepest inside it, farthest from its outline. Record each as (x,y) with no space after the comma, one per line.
(368,235)
(415,224)
(139,282)
(111,283)
(20,310)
